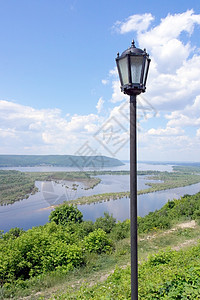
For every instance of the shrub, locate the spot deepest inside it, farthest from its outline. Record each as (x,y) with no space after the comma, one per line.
(162,257)
(106,223)
(38,250)
(13,233)
(65,213)
(98,242)
(121,230)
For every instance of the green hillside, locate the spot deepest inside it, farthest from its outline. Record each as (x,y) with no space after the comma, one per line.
(69,258)
(58,160)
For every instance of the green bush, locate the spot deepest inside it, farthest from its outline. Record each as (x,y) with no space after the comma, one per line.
(39,250)
(83,229)
(121,230)
(162,257)
(98,242)
(152,221)
(107,223)
(64,214)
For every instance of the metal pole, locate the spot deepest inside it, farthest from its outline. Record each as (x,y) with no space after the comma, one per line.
(133,198)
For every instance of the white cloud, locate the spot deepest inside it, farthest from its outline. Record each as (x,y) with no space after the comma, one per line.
(168,147)
(168,30)
(99,105)
(189,116)
(169,131)
(117,95)
(104,81)
(134,23)
(80,123)
(24,129)
(7,133)
(174,76)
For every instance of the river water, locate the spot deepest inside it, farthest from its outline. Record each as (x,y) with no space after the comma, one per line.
(35,210)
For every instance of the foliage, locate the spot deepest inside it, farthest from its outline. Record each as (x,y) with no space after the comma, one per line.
(15,185)
(187,207)
(13,233)
(176,275)
(62,245)
(62,248)
(153,221)
(107,223)
(40,249)
(121,230)
(97,241)
(65,213)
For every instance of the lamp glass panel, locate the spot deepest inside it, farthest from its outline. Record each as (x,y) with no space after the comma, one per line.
(145,70)
(123,66)
(136,68)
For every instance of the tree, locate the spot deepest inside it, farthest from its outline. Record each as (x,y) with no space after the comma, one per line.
(65,214)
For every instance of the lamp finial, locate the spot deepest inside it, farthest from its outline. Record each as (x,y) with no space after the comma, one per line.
(133,44)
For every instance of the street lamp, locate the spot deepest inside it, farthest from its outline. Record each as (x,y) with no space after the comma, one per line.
(133,66)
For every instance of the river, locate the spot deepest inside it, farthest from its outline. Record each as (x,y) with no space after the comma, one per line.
(34,210)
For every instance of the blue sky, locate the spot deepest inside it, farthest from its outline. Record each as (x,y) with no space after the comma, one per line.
(59,89)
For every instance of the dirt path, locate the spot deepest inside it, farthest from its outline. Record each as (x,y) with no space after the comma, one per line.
(190,224)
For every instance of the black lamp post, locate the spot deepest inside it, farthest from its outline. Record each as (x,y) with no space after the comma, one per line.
(133,66)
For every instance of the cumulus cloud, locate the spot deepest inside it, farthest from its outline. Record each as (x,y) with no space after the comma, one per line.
(134,23)
(189,116)
(24,129)
(168,147)
(174,76)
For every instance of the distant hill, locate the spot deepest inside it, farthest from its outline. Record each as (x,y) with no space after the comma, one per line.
(58,160)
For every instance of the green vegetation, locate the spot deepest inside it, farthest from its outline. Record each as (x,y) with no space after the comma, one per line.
(175,276)
(65,214)
(187,169)
(173,180)
(64,254)
(16,185)
(99,198)
(187,207)
(58,160)
(59,246)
